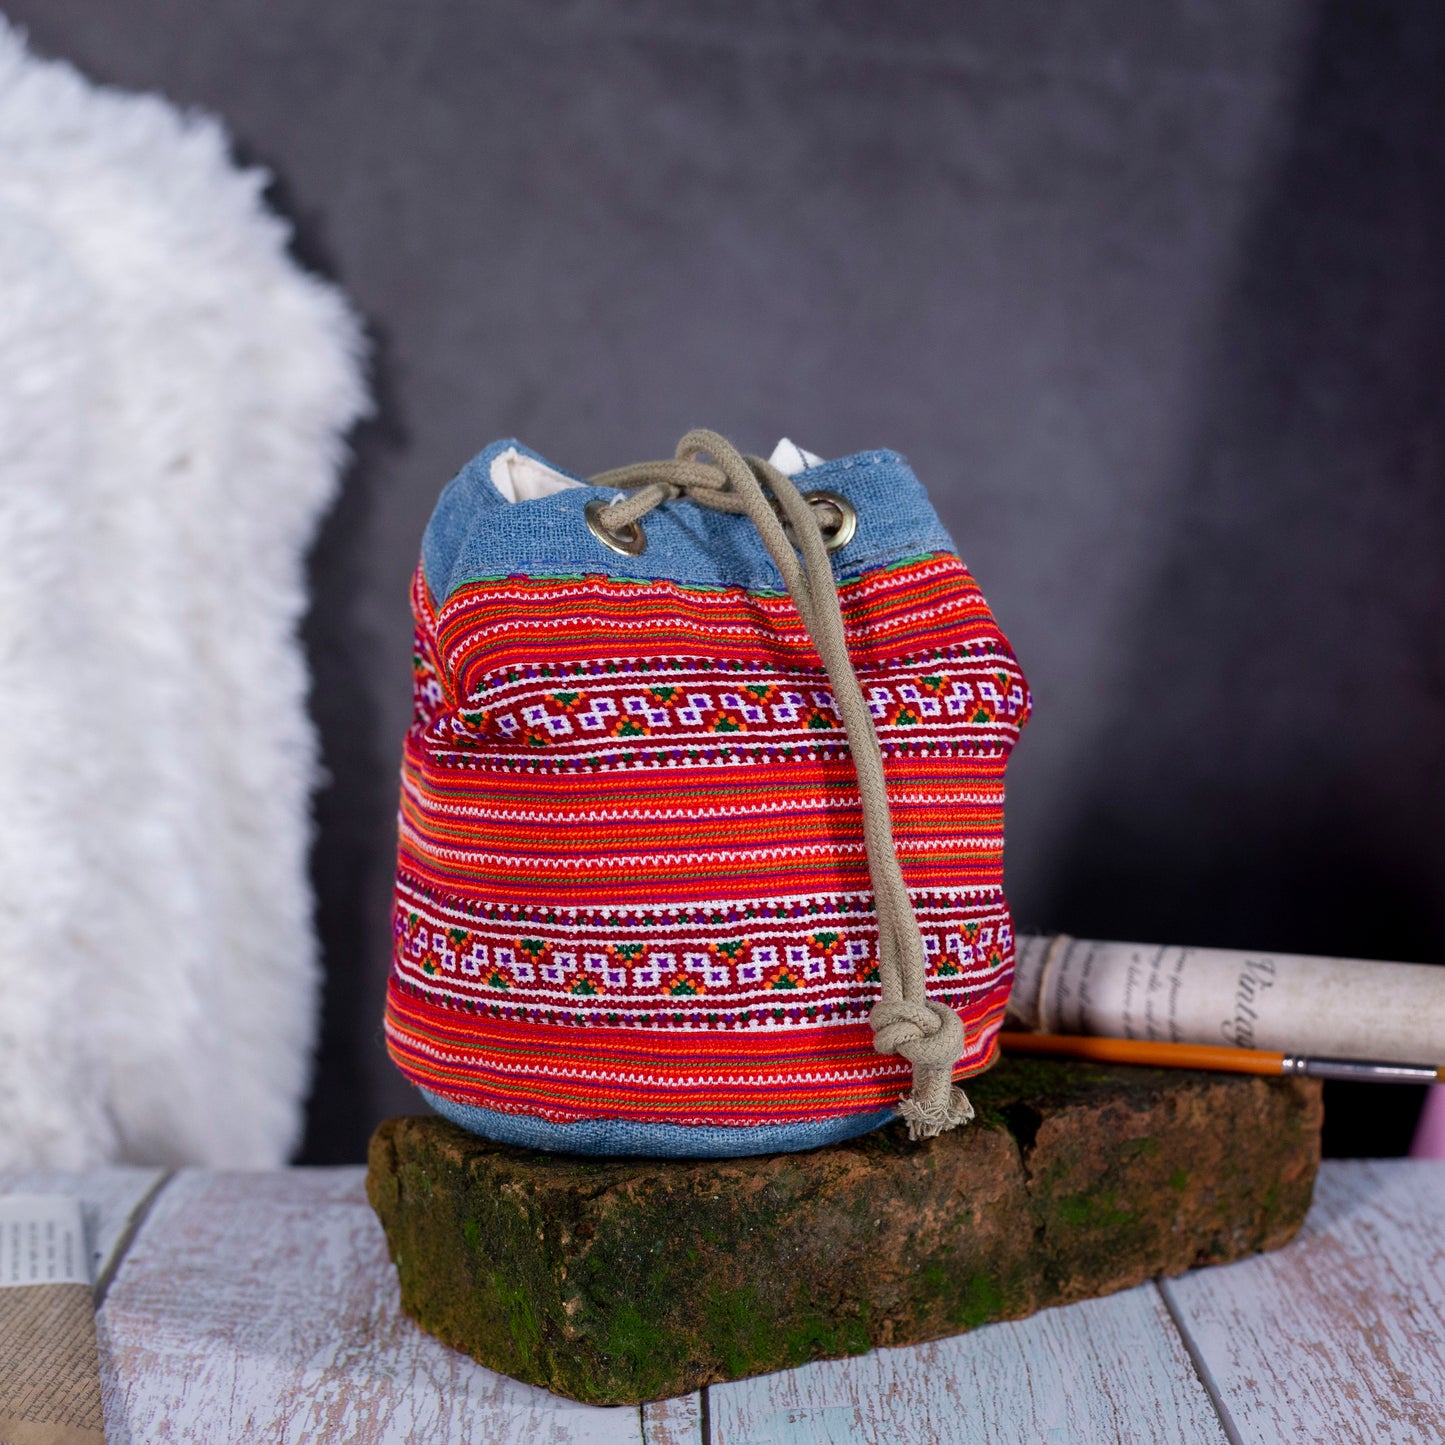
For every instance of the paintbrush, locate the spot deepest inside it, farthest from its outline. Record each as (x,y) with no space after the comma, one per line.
(1215,1056)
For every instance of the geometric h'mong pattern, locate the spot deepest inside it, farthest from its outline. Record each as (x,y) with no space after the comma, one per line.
(631,877)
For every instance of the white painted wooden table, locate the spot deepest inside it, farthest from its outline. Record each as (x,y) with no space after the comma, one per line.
(262,1307)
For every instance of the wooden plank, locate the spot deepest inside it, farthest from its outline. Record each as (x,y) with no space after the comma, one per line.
(1109,1369)
(264,1307)
(108,1198)
(1341,1335)
(674,1422)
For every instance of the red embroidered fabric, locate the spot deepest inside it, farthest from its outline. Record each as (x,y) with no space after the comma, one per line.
(631,880)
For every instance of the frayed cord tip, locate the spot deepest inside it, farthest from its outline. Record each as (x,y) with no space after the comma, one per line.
(928,1122)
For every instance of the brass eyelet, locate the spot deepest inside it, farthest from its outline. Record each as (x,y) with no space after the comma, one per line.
(839,533)
(630,541)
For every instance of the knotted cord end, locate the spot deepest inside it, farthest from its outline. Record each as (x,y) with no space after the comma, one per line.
(930,1036)
(926,1032)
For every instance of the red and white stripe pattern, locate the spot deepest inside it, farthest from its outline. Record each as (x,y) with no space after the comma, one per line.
(631,876)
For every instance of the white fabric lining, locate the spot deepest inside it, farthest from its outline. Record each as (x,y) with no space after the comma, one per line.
(520,478)
(790,459)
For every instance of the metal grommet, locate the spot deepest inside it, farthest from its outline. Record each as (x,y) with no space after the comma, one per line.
(631,541)
(835,534)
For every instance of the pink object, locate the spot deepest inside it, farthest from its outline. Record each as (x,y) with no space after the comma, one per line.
(1430,1132)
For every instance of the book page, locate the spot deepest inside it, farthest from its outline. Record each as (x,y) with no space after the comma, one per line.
(49,1365)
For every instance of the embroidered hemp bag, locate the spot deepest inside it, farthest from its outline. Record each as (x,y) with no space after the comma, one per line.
(702,806)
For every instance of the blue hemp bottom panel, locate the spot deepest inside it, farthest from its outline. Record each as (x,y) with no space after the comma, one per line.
(620,1137)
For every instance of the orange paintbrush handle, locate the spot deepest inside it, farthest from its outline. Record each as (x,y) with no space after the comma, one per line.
(1143,1051)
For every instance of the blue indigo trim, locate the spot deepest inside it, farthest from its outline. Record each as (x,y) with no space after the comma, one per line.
(622,1137)
(476,533)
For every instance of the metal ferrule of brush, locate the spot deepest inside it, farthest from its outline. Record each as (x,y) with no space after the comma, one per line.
(1361,1071)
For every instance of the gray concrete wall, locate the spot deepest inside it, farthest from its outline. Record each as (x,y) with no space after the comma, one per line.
(1153,296)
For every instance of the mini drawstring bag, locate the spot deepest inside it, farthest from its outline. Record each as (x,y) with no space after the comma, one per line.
(700,840)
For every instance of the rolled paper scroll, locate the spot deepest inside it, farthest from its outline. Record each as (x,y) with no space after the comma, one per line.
(1333,1007)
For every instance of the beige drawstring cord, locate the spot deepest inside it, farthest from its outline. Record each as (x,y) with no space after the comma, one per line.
(905,1020)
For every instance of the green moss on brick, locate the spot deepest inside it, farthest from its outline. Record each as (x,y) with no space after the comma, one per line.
(980,1301)
(1091,1210)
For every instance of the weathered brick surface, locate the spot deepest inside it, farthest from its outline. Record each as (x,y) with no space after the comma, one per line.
(615,1281)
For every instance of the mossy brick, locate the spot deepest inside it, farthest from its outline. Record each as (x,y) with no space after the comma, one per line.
(621,1280)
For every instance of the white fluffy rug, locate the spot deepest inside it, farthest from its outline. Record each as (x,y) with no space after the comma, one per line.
(174,393)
